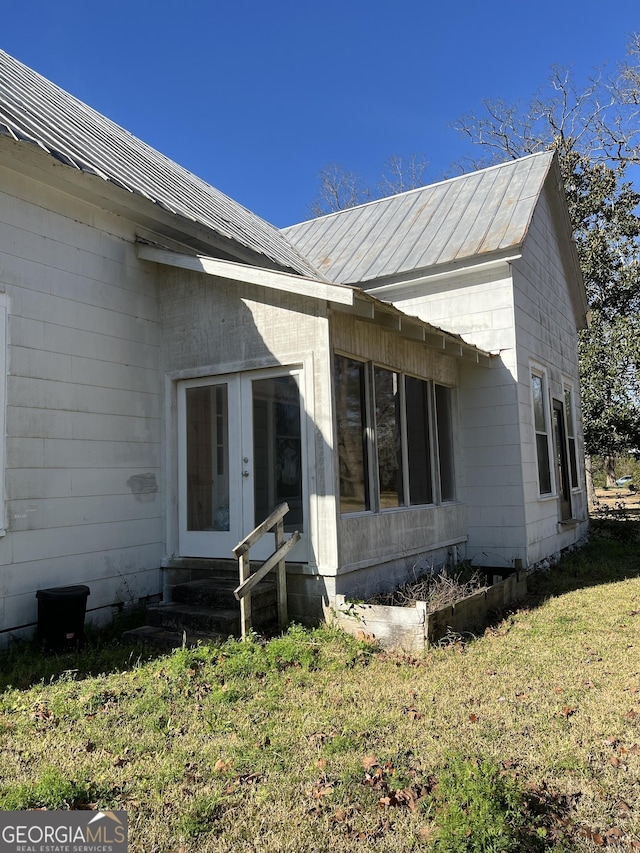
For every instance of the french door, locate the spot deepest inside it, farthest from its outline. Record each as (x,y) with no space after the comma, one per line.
(241,452)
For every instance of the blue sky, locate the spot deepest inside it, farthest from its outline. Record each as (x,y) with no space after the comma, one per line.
(257,97)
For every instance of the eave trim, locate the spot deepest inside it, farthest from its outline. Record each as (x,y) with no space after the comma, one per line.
(338,293)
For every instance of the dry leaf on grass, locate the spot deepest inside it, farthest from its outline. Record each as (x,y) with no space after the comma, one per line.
(412,713)
(320,790)
(568,711)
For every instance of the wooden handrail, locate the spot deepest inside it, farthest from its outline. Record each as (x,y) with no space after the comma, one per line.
(271,520)
(277,560)
(266,567)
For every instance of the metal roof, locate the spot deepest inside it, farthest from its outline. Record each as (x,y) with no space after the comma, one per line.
(35,110)
(463,218)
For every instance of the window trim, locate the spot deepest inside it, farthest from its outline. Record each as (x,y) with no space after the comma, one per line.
(570,429)
(438,444)
(540,373)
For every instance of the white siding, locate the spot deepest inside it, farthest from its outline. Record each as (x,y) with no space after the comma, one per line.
(84,411)
(490,436)
(546,335)
(479,306)
(476,304)
(523,312)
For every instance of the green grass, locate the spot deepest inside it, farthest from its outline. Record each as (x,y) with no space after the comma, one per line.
(526,738)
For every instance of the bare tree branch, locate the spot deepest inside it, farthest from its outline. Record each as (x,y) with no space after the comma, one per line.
(339,189)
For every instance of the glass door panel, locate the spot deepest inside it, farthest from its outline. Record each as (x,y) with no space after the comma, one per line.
(207,433)
(277,449)
(209,509)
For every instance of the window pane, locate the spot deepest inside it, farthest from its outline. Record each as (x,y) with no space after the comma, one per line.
(418,445)
(351,435)
(277,449)
(538,403)
(544,473)
(573,463)
(207,458)
(444,422)
(542,439)
(388,441)
(568,408)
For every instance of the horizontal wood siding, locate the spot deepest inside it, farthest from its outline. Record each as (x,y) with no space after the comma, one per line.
(546,335)
(479,306)
(492,464)
(84,499)
(371,342)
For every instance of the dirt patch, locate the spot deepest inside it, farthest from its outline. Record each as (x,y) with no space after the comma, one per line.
(616,515)
(620,502)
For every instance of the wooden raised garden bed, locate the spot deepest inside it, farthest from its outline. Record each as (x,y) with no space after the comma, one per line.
(413,629)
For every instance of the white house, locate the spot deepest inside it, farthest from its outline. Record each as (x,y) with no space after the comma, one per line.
(404,374)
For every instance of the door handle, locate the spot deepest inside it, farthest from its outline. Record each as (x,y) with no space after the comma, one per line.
(245,473)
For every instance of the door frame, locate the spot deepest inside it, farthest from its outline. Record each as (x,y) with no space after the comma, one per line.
(202,544)
(563,476)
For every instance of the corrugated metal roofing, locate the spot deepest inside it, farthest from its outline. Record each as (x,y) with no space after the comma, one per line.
(35,110)
(462,218)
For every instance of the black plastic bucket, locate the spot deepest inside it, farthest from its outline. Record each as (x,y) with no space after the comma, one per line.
(61,612)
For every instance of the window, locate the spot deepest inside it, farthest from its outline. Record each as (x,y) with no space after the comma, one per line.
(388,437)
(538,390)
(352,440)
(444,422)
(418,441)
(207,457)
(386,427)
(571,438)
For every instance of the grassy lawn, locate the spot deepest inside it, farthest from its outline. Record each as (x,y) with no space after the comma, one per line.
(525,738)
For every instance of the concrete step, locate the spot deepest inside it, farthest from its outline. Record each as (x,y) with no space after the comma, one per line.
(188,568)
(205,609)
(218,592)
(162,639)
(197,618)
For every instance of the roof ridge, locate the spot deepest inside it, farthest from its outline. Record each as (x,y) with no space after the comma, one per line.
(386,198)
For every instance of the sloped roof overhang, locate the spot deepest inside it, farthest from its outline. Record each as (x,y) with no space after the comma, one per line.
(35,113)
(402,285)
(340,297)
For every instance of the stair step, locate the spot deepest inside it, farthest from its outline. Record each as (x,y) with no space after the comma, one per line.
(206,609)
(160,638)
(218,592)
(178,616)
